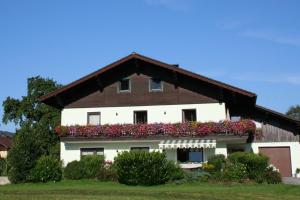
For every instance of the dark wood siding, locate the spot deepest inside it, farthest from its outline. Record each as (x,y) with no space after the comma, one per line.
(280,157)
(140,95)
(271,133)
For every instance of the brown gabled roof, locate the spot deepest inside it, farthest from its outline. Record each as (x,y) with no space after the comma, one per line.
(151,61)
(265,114)
(276,114)
(6,141)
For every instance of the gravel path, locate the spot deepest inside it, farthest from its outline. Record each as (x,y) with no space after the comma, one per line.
(4,180)
(291,180)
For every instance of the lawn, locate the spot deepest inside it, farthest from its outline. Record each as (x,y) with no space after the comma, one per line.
(76,190)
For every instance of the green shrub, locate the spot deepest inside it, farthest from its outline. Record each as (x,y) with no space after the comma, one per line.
(3,167)
(194,176)
(143,168)
(46,169)
(74,170)
(218,162)
(272,176)
(107,173)
(256,164)
(92,165)
(175,171)
(235,172)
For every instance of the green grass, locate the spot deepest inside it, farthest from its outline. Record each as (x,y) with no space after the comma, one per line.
(76,190)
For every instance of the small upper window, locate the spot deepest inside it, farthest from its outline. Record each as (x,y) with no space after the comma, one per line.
(124,85)
(156,84)
(140,117)
(93,118)
(189,115)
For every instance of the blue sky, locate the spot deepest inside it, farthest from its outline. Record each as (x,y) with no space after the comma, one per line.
(254,45)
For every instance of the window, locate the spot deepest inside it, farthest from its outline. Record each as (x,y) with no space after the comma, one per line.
(93,118)
(189,115)
(124,85)
(140,117)
(190,155)
(92,151)
(235,118)
(145,149)
(235,148)
(155,84)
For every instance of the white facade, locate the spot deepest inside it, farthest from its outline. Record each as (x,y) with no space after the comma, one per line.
(159,113)
(71,150)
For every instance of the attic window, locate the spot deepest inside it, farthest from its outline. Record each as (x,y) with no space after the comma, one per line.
(124,85)
(155,84)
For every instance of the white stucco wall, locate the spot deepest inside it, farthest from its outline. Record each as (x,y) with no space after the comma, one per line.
(71,150)
(294,150)
(158,113)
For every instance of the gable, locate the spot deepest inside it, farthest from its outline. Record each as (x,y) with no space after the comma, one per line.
(88,87)
(140,95)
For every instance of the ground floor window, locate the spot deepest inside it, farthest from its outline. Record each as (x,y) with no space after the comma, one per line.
(235,148)
(145,149)
(190,155)
(92,151)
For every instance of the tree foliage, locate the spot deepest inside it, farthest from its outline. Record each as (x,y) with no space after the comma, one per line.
(36,121)
(294,112)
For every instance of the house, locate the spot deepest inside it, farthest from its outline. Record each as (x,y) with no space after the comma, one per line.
(141,104)
(5,144)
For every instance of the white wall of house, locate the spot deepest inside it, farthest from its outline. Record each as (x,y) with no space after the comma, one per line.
(294,150)
(158,113)
(3,154)
(70,151)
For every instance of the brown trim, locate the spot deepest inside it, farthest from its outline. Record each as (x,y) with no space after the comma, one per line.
(136,56)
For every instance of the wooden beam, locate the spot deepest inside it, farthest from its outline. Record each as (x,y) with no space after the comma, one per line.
(99,83)
(221,95)
(59,101)
(137,66)
(175,79)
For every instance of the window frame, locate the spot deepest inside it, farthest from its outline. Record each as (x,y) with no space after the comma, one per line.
(129,86)
(93,113)
(134,116)
(156,90)
(189,109)
(93,149)
(139,148)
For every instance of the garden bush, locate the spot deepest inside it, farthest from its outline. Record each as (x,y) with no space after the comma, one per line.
(46,169)
(271,175)
(256,164)
(88,167)
(235,172)
(217,161)
(144,168)
(74,170)
(175,171)
(107,173)
(3,167)
(93,164)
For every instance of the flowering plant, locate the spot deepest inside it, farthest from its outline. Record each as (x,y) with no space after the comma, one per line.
(241,128)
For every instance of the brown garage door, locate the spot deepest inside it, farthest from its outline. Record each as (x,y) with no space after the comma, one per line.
(280,157)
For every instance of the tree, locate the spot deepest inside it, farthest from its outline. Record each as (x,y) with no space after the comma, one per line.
(294,112)
(37,121)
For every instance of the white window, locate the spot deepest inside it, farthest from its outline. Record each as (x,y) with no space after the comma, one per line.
(189,115)
(93,118)
(124,85)
(92,151)
(155,84)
